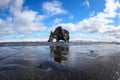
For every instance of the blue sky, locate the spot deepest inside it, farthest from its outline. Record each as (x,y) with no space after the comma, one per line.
(32,20)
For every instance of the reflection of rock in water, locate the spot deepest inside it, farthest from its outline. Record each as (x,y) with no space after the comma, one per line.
(59,53)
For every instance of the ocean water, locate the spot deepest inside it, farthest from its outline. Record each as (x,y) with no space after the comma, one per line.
(60,62)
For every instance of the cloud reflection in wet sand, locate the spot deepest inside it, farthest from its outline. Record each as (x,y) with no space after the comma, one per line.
(81,62)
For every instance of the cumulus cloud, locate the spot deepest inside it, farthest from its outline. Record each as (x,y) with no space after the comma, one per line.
(4,2)
(101,22)
(84,37)
(53,8)
(19,23)
(4,29)
(94,24)
(27,21)
(111,7)
(23,21)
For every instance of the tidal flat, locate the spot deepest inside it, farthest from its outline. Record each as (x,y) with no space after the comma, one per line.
(59,61)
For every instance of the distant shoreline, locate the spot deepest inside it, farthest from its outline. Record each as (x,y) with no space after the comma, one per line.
(52,43)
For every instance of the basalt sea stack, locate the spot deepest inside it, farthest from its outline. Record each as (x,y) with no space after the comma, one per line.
(59,34)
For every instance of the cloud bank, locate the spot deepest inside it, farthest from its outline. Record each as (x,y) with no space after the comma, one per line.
(101,23)
(22,21)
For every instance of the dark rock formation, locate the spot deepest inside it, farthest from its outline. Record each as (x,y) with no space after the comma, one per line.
(59,34)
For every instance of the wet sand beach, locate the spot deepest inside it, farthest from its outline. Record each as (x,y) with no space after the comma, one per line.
(60,61)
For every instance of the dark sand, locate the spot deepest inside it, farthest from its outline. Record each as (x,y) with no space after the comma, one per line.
(59,61)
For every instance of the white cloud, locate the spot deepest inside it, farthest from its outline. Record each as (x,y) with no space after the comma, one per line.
(111,7)
(57,20)
(23,21)
(101,22)
(93,13)
(6,27)
(3,3)
(28,21)
(68,26)
(25,17)
(16,6)
(85,37)
(27,39)
(86,3)
(94,24)
(114,31)
(53,8)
